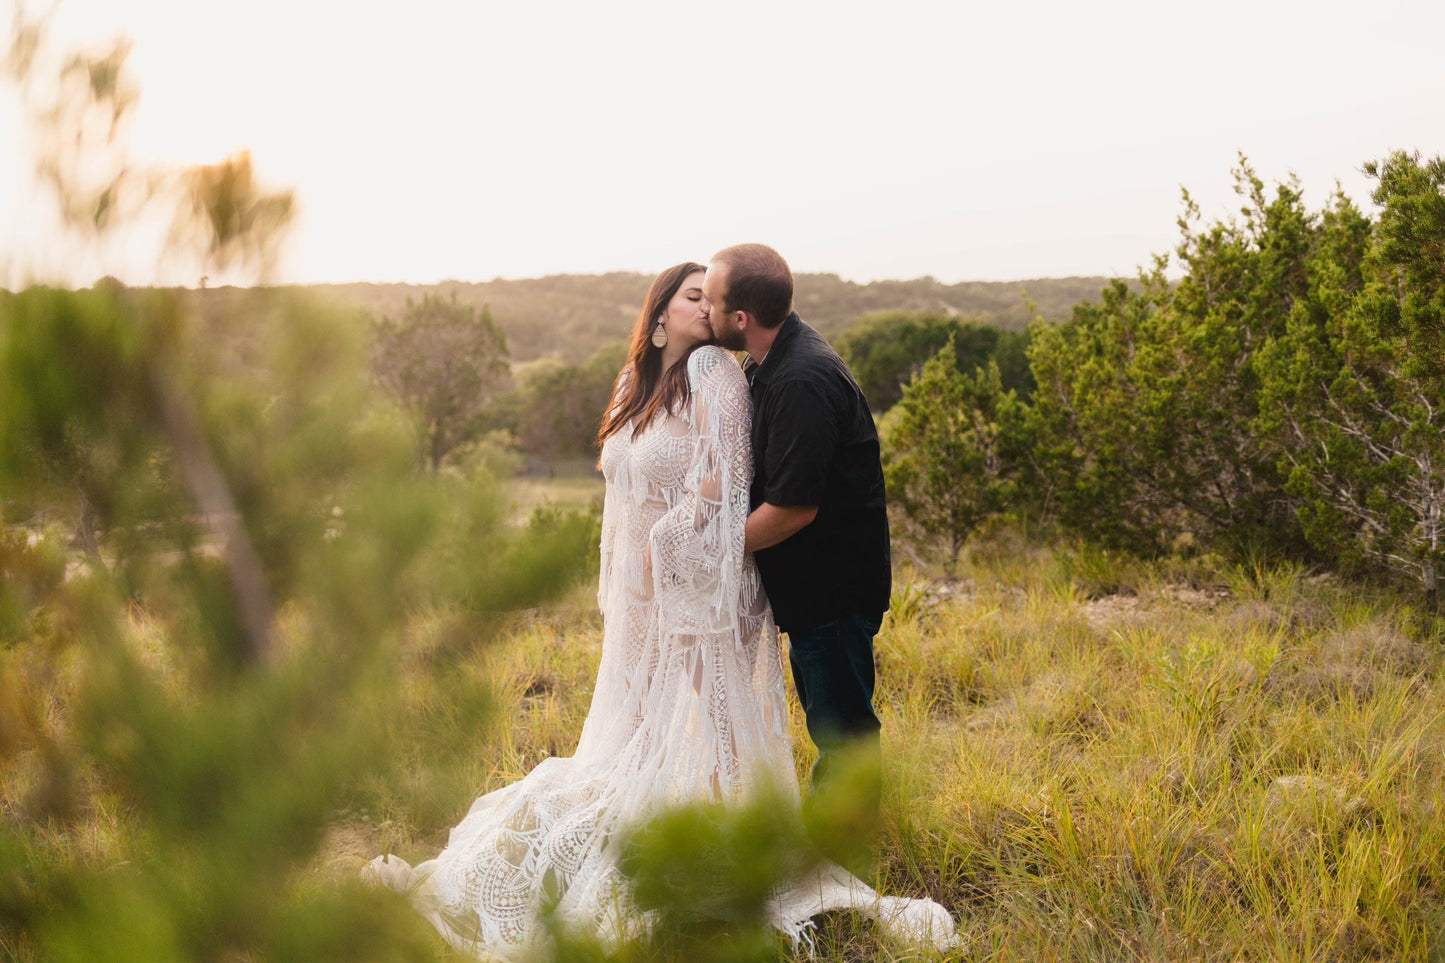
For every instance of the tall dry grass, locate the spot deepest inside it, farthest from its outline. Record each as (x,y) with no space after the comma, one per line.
(1088,758)
(1245,769)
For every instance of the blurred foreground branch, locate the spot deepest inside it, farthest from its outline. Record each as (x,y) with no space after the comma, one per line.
(207,485)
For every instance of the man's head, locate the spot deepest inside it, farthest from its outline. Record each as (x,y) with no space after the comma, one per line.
(748,287)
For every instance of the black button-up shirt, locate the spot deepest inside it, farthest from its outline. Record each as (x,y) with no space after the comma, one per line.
(814,443)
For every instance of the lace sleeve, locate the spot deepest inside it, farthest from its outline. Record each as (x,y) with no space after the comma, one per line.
(609,506)
(697,546)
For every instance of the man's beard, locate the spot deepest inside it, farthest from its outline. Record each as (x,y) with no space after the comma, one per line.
(731,339)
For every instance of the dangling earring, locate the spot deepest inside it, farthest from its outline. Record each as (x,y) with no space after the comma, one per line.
(659,335)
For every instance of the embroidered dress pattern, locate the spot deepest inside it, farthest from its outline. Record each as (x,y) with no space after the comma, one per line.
(688,707)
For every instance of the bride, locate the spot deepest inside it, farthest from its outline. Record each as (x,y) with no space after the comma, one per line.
(689,701)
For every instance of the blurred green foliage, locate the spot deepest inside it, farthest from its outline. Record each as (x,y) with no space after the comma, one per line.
(212,541)
(139,695)
(705,874)
(131,684)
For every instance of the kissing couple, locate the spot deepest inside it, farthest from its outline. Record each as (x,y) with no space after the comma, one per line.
(741,500)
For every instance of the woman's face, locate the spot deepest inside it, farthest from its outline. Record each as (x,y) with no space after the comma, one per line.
(686,318)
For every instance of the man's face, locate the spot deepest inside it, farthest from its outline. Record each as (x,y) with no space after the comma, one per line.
(724,323)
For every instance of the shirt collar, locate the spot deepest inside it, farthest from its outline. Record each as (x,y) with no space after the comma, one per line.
(760,372)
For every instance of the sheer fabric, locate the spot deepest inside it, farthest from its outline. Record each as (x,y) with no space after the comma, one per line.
(688,706)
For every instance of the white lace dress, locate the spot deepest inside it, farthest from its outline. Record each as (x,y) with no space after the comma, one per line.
(688,706)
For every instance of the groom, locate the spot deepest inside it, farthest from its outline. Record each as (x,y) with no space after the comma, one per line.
(818,525)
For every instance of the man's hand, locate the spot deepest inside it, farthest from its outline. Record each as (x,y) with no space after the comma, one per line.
(769,524)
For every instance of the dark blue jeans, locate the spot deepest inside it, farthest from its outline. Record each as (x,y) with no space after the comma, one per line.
(833,672)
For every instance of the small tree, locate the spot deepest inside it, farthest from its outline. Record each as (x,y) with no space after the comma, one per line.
(1146,399)
(1092,456)
(946,465)
(1354,390)
(556,408)
(444,363)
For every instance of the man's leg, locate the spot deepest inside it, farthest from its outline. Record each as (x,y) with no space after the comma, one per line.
(833,673)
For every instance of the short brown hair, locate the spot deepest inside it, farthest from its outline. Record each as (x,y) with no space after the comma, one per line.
(758,282)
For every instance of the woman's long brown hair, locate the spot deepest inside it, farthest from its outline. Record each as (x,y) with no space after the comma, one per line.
(642,387)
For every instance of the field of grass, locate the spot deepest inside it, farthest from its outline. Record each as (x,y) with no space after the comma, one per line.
(566,483)
(1087,758)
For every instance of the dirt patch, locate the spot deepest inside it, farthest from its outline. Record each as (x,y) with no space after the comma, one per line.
(1109,610)
(1121,608)
(347,847)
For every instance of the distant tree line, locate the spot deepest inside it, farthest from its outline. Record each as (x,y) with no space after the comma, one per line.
(448,365)
(1286,396)
(571,317)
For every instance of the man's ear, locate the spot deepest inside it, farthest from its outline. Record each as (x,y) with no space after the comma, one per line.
(745,320)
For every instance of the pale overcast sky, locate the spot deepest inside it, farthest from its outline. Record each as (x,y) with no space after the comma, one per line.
(429,140)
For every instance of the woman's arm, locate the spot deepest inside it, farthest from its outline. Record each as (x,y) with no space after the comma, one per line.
(698,545)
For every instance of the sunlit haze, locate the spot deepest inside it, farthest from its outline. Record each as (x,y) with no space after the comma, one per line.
(433,140)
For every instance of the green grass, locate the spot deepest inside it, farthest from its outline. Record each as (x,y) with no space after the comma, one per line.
(1087,760)
(566,483)
(1225,766)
